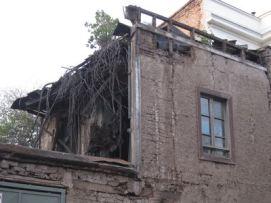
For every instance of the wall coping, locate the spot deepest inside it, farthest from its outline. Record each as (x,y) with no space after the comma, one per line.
(66,160)
(197,45)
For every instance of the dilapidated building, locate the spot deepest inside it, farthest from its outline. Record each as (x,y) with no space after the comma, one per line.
(162,114)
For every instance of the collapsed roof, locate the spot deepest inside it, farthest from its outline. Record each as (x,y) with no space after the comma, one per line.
(79,78)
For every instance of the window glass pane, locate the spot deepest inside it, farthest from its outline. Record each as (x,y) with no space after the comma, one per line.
(206,140)
(204,105)
(219,142)
(218,128)
(220,153)
(206,150)
(205,125)
(218,109)
(226,154)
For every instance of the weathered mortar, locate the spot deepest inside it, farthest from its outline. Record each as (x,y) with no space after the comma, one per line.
(82,186)
(169,126)
(191,14)
(169,168)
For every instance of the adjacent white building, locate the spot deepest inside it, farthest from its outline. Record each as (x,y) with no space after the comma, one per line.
(227,22)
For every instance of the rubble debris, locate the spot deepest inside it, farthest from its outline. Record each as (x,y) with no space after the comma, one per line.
(90,103)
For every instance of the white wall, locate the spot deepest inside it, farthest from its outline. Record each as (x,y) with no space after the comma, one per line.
(228,22)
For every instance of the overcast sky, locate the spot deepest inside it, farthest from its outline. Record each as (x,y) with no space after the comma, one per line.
(38,37)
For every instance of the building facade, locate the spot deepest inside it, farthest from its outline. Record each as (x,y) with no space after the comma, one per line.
(227,22)
(199,129)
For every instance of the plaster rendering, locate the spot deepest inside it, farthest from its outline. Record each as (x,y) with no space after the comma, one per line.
(167,73)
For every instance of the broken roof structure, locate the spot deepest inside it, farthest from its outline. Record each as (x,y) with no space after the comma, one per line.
(87,111)
(95,89)
(165,113)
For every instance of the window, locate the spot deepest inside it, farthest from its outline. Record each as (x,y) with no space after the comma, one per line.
(215,130)
(23,193)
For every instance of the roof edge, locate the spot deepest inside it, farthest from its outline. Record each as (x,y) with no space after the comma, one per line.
(183,7)
(179,10)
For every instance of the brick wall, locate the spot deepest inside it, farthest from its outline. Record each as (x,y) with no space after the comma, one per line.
(170,126)
(191,14)
(169,168)
(82,186)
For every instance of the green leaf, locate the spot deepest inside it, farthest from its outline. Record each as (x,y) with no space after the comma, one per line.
(101,31)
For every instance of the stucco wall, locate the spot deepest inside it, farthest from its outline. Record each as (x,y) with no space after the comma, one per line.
(170,126)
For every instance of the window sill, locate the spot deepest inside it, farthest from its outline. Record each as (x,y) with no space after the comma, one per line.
(65,160)
(219,160)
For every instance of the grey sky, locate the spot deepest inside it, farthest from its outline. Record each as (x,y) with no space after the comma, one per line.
(37,37)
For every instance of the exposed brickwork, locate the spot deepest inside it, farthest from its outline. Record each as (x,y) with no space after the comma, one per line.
(170,169)
(82,186)
(191,14)
(169,126)
(42,172)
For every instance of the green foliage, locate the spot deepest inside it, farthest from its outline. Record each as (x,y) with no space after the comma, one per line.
(101,31)
(206,40)
(16,127)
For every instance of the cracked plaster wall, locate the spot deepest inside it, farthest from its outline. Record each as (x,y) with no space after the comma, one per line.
(170,168)
(169,126)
